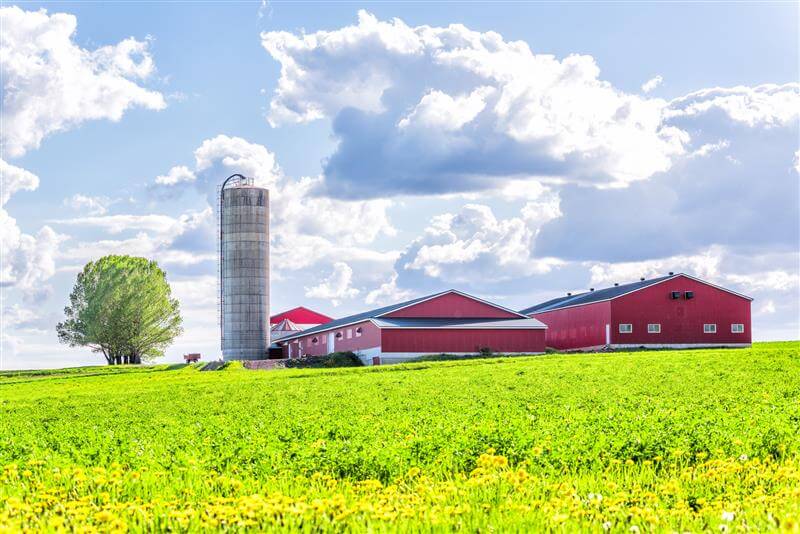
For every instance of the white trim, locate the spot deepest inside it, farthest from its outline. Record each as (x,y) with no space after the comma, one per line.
(657,331)
(705,331)
(641,288)
(457,292)
(737,331)
(627,331)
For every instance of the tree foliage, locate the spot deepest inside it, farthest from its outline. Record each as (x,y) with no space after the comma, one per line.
(121,306)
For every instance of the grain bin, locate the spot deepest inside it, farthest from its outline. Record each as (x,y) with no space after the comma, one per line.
(244,269)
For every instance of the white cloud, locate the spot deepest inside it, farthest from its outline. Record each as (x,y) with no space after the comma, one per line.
(767,280)
(709,148)
(26,261)
(13,179)
(51,84)
(458,247)
(336,286)
(652,83)
(764,105)
(768,308)
(526,113)
(388,293)
(440,111)
(176,175)
(91,205)
(797,161)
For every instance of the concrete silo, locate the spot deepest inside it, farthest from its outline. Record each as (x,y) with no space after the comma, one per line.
(244,269)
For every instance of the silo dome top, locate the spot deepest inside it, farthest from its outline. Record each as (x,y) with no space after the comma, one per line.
(237,180)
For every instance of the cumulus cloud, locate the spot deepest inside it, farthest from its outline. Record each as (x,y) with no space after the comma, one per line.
(442,109)
(764,105)
(51,84)
(336,286)
(92,205)
(475,244)
(26,261)
(183,240)
(652,83)
(388,293)
(13,179)
(176,175)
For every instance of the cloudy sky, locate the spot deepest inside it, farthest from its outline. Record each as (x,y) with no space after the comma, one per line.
(513,151)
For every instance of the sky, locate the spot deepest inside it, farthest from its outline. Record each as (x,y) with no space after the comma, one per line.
(514,151)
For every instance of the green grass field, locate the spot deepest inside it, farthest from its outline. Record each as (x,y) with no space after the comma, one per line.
(665,441)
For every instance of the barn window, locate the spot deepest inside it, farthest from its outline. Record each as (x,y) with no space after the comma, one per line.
(737,328)
(358,332)
(709,329)
(654,328)
(338,335)
(625,328)
(314,341)
(349,333)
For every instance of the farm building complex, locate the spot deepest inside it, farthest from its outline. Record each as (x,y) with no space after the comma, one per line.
(449,321)
(675,311)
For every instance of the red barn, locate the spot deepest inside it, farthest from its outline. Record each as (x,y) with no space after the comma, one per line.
(299,317)
(450,321)
(675,311)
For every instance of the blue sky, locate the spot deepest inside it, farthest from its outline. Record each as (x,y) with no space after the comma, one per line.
(515,151)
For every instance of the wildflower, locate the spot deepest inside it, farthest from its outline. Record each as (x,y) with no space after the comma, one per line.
(634,529)
(743,458)
(728,516)
(606,525)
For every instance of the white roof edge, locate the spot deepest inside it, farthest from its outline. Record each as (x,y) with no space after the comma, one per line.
(467,295)
(646,287)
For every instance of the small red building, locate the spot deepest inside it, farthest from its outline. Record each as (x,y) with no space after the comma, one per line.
(674,311)
(302,317)
(450,321)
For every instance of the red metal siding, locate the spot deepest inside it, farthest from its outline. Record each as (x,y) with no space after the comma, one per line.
(301,315)
(681,320)
(453,305)
(370,337)
(578,327)
(461,340)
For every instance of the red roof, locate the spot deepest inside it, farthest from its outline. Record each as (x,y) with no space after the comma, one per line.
(301,315)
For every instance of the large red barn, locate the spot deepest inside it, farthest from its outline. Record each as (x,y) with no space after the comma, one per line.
(450,322)
(674,311)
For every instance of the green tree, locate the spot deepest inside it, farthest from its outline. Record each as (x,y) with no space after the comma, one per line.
(121,306)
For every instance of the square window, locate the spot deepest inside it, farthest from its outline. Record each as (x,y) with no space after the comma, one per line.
(737,328)
(709,329)
(349,333)
(654,328)
(625,328)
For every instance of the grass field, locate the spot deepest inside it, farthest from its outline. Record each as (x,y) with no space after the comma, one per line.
(665,441)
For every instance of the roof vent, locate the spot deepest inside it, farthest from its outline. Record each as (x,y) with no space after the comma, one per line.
(641,279)
(569,294)
(671,273)
(615,284)
(591,289)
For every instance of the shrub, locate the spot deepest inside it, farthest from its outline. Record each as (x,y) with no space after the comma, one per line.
(334,359)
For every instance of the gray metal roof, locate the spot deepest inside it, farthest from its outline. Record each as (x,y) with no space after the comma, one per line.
(390,322)
(359,317)
(594,296)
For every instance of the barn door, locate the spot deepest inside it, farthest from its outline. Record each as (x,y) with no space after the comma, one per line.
(608,334)
(331,337)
